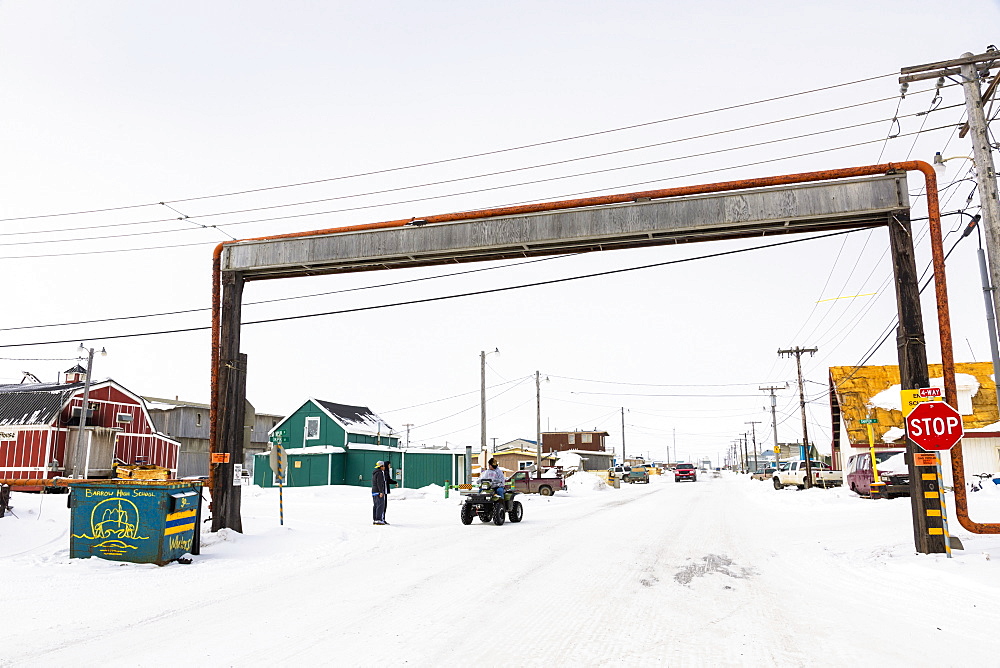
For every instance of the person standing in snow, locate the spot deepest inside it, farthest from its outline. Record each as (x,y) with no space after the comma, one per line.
(380,491)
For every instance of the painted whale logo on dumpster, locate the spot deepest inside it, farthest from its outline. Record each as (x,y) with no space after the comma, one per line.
(115,522)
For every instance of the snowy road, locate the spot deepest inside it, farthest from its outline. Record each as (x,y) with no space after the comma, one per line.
(659,574)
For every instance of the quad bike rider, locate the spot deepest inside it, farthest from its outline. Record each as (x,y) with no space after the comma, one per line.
(492,501)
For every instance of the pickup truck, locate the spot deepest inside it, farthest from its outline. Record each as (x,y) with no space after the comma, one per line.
(794,473)
(530,483)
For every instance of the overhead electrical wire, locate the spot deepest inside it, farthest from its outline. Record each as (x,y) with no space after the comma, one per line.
(648,163)
(603,189)
(190,219)
(458,158)
(454,296)
(293,297)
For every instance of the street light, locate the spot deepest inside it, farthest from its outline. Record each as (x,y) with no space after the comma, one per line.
(939,166)
(89,352)
(482,397)
(538,422)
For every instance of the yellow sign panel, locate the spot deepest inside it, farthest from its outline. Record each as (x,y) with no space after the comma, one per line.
(909,399)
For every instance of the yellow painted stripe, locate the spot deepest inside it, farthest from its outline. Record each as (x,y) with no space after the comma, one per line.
(929,476)
(931,495)
(181,515)
(935,532)
(933,513)
(178,529)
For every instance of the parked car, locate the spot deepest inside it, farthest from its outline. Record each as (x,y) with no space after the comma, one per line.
(531,483)
(637,474)
(794,473)
(685,472)
(763,473)
(619,471)
(892,470)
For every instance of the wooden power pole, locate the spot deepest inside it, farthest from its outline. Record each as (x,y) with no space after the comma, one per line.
(798,352)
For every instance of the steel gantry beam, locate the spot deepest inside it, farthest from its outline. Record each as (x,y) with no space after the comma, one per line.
(855,197)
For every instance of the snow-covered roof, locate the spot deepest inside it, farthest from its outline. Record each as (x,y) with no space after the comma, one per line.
(355,419)
(24,408)
(34,403)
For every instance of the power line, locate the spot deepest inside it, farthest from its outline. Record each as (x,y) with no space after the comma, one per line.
(446,297)
(649,163)
(458,158)
(283,299)
(613,382)
(421,199)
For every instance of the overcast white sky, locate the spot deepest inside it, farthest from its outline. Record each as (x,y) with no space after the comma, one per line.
(114,104)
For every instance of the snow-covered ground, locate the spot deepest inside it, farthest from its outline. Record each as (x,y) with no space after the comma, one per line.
(722,572)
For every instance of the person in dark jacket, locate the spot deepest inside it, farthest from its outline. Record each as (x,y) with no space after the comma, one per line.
(380,491)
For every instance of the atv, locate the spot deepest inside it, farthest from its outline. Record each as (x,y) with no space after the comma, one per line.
(487,504)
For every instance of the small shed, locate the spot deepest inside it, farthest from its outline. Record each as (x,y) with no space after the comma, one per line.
(338,444)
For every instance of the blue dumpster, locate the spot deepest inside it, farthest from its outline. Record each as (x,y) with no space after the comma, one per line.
(141,521)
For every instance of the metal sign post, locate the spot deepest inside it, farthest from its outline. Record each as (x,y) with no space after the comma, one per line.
(878,487)
(279,464)
(931,424)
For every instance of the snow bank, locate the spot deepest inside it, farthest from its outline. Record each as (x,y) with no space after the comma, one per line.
(893,434)
(582,482)
(570,460)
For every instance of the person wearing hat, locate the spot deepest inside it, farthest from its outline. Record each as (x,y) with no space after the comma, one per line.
(380,491)
(494,475)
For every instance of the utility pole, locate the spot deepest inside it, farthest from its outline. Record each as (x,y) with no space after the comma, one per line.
(753,432)
(79,454)
(538,421)
(971,69)
(408,425)
(746,457)
(482,402)
(798,352)
(623,436)
(774,417)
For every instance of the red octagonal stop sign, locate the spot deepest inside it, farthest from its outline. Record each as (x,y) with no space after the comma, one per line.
(934,425)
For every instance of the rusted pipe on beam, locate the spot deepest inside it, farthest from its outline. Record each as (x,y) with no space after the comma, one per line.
(39,482)
(934,216)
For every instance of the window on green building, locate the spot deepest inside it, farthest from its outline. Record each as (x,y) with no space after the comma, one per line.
(312,428)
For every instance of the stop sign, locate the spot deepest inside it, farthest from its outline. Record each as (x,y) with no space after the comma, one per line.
(934,426)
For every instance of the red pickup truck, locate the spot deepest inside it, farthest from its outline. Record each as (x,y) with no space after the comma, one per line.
(530,483)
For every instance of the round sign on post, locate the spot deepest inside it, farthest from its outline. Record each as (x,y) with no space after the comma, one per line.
(935,426)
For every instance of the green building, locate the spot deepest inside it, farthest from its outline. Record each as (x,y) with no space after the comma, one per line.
(338,444)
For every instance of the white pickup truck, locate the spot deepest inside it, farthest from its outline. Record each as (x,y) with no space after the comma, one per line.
(794,473)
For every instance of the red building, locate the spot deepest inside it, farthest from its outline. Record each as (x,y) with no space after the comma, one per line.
(40,430)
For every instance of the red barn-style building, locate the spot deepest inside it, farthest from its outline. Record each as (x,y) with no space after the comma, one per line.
(40,424)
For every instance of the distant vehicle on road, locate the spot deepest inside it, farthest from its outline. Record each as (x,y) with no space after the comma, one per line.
(637,474)
(685,472)
(763,473)
(892,470)
(794,473)
(619,471)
